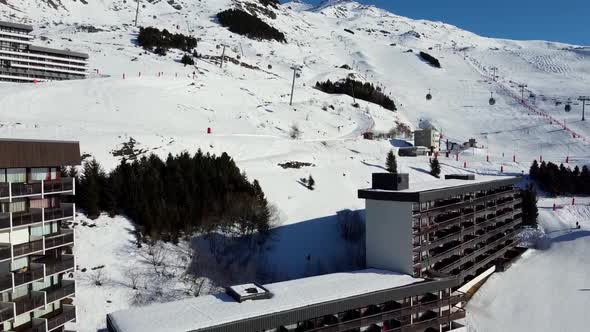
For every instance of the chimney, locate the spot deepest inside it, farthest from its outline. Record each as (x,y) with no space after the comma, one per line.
(391,181)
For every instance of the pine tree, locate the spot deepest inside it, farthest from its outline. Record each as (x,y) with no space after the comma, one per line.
(187,60)
(90,189)
(108,199)
(310,183)
(534,171)
(435,168)
(391,162)
(530,211)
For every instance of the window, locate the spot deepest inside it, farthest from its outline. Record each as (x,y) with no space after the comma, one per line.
(18,206)
(16,175)
(19,263)
(37,230)
(39,174)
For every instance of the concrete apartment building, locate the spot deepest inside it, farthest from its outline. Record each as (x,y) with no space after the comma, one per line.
(36,256)
(429,138)
(454,227)
(422,244)
(21,61)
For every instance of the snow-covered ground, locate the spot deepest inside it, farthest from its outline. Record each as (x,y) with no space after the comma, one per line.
(250,117)
(545,290)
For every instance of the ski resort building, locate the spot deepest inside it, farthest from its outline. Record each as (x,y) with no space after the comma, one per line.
(422,244)
(429,138)
(459,226)
(367,300)
(21,61)
(36,258)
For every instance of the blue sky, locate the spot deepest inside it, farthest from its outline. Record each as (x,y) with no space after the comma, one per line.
(566,21)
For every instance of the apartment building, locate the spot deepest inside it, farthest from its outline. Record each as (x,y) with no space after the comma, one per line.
(460,226)
(36,258)
(368,300)
(21,61)
(422,244)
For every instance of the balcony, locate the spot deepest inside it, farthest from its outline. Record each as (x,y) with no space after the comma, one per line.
(6,311)
(29,302)
(33,216)
(9,190)
(54,319)
(28,274)
(57,265)
(22,276)
(5,252)
(63,212)
(35,245)
(67,288)
(65,237)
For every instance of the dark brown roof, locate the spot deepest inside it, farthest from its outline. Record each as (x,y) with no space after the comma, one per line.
(25,27)
(38,153)
(41,49)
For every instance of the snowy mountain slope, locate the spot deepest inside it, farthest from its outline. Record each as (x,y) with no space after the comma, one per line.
(535,285)
(250,117)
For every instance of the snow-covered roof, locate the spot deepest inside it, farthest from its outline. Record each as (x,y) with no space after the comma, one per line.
(452,183)
(212,310)
(438,189)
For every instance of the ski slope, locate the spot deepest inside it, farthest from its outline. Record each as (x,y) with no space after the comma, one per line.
(545,290)
(167,108)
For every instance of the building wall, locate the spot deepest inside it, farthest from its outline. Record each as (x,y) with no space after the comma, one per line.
(389,235)
(428,138)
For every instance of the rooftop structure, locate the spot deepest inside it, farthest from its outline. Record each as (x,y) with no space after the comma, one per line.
(300,302)
(448,227)
(21,61)
(36,247)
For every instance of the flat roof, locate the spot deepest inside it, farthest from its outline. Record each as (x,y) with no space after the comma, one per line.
(18,153)
(16,26)
(57,51)
(205,312)
(438,189)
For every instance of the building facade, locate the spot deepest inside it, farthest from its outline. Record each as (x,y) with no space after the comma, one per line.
(429,138)
(36,246)
(445,228)
(21,61)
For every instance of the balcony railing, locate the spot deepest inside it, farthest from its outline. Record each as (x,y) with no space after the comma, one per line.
(6,312)
(5,251)
(57,319)
(58,240)
(29,302)
(27,248)
(58,265)
(28,274)
(67,288)
(36,216)
(19,189)
(62,212)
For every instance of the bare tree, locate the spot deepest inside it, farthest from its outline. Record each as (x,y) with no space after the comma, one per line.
(98,277)
(155,256)
(133,276)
